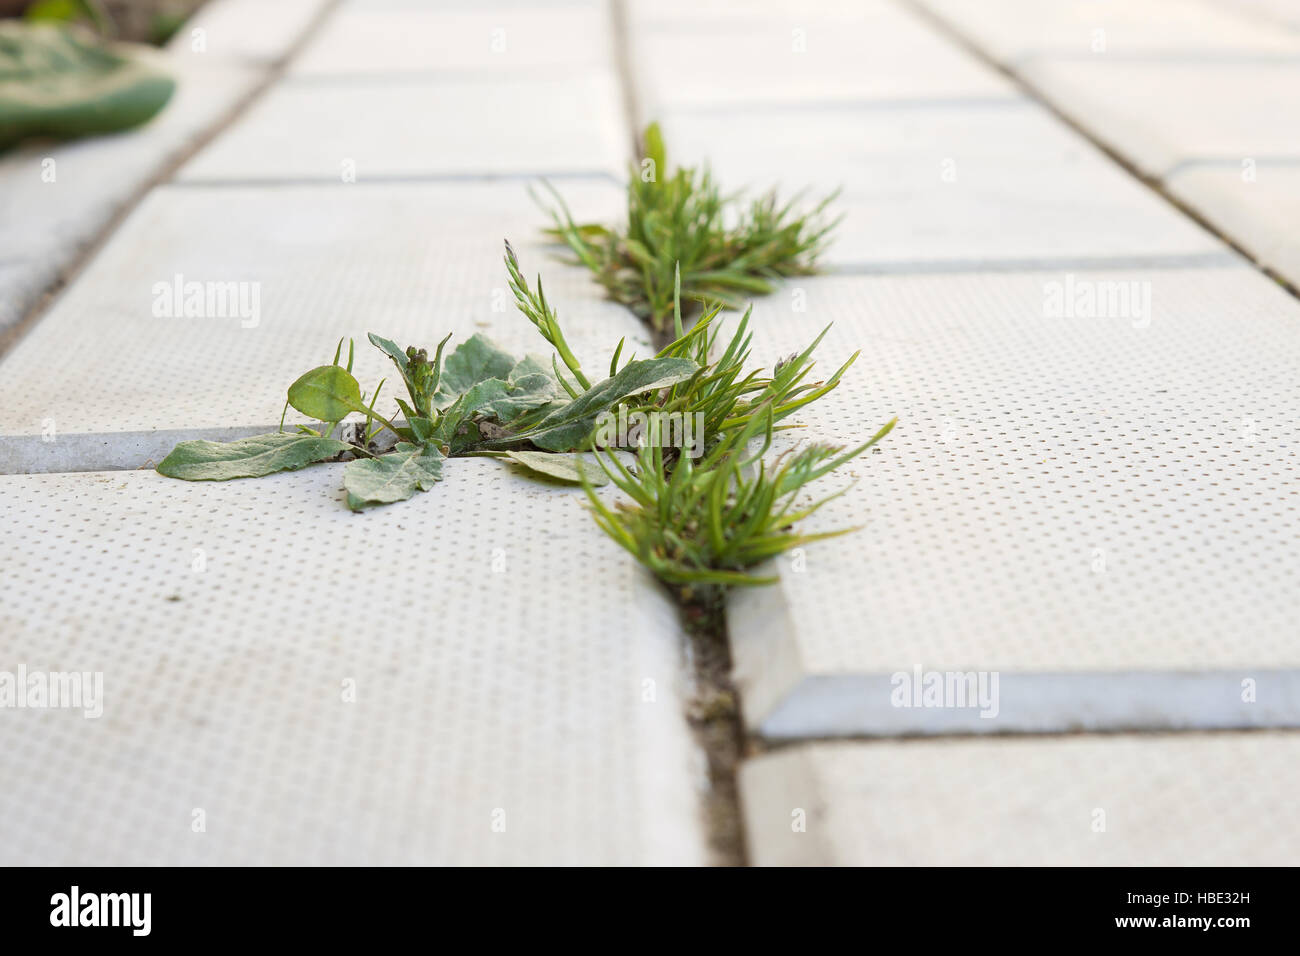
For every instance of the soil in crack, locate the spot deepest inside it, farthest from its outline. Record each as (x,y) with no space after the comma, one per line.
(713,712)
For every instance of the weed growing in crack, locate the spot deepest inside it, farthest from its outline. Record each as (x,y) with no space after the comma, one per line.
(699,525)
(697,522)
(478,401)
(725,250)
(720,391)
(709,523)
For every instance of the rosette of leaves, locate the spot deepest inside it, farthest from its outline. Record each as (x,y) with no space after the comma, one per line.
(479,400)
(697,524)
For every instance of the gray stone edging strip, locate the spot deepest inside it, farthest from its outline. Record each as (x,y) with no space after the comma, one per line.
(106,451)
(887,705)
(1191,799)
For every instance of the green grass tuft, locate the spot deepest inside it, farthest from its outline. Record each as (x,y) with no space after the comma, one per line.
(701,524)
(726,249)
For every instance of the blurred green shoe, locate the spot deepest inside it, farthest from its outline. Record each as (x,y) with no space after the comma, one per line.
(61,82)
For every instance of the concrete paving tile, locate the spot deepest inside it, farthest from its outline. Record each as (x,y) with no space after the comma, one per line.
(330,129)
(1284,13)
(495,38)
(22,284)
(253,31)
(1115,800)
(725,13)
(1098,510)
(1160,114)
(314,263)
(321,687)
(56,197)
(928,186)
(1256,204)
(1015,30)
(832,53)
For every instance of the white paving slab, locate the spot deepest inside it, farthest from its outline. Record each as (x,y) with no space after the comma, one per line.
(1014,30)
(1256,204)
(331,129)
(1285,13)
(1100,512)
(420,684)
(1199,94)
(255,31)
(727,14)
(943,186)
(410,262)
(56,197)
(1160,114)
(689,56)
(495,38)
(1115,800)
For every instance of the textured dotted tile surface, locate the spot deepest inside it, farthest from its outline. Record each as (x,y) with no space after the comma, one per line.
(227,620)
(1200,94)
(1285,13)
(55,197)
(1160,114)
(1016,30)
(1060,494)
(952,186)
(1116,800)
(399,90)
(703,55)
(1256,203)
(420,127)
(253,31)
(411,263)
(495,38)
(1074,497)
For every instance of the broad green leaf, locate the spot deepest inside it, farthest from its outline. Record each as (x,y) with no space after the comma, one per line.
(564,467)
(472,362)
(449,422)
(529,388)
(482,397)
(525,394)
(248,457)
(390,348)
(533,392)
(421,428)
(407,410)
(531,365)
(392,477)
(503,402)
(327,393)
(534,374)
(568,426)
(529,419)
